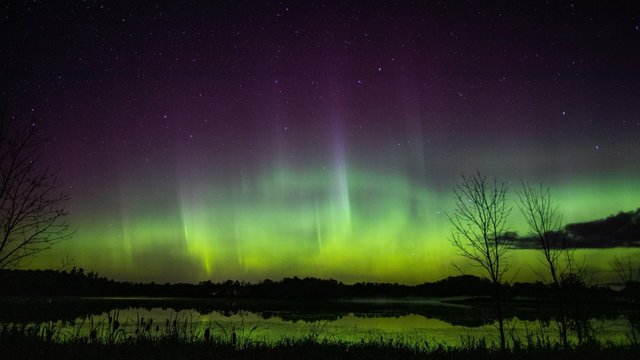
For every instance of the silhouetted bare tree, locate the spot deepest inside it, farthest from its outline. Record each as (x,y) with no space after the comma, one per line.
(480,232)
(545,225)
(32,216)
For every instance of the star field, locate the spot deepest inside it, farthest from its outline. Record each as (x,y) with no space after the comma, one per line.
(252,140)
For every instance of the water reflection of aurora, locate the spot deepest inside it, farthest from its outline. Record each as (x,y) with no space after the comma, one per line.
(409,328)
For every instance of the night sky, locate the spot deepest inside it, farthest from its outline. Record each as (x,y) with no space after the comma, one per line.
(250,140)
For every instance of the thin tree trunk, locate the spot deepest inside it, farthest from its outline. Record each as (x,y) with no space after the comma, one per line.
(498,301)
(563,320)
(560,298)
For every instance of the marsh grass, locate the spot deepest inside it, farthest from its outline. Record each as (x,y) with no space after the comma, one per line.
(183,337)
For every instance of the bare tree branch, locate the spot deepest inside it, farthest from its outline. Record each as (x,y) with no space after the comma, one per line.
(628,271)
(545,225)
(480,232)
(32,215)
(479,224)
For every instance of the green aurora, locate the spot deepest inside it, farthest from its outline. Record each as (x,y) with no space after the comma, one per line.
(347,224)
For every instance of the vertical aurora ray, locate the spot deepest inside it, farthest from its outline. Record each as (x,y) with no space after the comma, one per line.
(193,218)
(339,188)
(319,233)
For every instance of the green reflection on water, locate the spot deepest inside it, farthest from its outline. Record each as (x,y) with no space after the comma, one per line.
(414,330)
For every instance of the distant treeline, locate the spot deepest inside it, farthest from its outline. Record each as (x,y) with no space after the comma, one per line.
(77,282)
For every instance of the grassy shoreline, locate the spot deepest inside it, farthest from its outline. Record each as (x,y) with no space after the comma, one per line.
(176,341)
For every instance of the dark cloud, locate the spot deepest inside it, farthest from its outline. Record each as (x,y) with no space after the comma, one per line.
(620,230)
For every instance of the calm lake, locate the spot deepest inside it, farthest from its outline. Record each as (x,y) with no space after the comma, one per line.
(411,321)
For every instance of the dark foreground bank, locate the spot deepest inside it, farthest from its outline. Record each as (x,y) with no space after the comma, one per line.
(294,350)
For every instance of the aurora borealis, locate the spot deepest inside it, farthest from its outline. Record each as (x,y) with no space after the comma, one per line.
(250,140)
